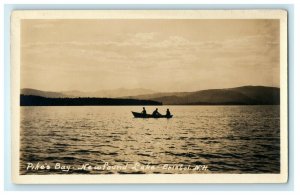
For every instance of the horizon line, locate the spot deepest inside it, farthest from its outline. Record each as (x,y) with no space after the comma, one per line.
(154,91)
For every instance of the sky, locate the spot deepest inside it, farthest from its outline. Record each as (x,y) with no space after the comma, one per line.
(161,55)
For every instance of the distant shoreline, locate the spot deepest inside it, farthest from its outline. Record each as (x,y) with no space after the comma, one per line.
(31,100)
(244,95)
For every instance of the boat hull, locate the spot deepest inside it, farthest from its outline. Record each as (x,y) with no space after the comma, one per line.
(140,115)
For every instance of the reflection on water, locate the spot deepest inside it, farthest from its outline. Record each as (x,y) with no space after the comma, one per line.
(228,139)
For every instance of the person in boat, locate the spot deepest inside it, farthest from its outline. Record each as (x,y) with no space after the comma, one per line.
(168,113)
(144,112)
(155,112)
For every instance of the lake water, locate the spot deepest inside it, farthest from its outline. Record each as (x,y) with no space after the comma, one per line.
(221,139)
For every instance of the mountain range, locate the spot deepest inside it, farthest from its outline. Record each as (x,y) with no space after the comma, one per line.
(245,95)
(116,93)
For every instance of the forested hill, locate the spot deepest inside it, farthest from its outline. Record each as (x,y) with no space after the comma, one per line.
(246,95)
(31,100)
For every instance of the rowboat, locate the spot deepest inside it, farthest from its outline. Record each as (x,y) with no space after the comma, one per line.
(140,115)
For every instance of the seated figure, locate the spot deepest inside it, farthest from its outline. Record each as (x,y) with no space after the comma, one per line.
(156,113)
(144,112)
(168,113)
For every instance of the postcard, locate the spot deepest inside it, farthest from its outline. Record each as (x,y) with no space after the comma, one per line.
(149,96)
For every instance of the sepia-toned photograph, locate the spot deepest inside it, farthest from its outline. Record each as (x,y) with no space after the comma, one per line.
(150,94)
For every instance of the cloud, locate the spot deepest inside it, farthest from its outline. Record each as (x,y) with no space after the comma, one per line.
(144,36)
(148,56)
